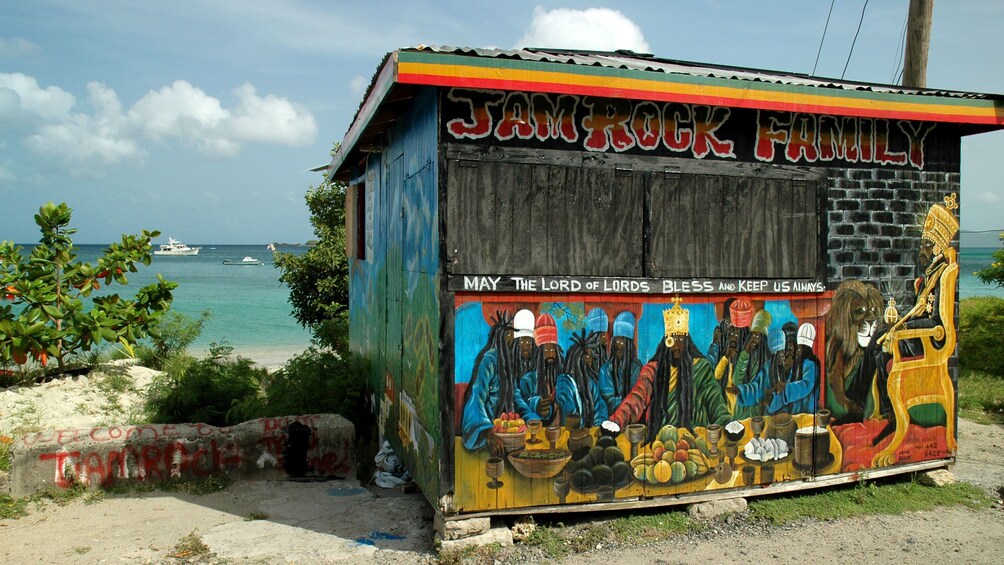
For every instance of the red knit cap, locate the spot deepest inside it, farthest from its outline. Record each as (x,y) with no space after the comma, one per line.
(545,330)
(741,313)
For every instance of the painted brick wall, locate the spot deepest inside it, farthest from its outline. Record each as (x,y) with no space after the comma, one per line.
(875,218)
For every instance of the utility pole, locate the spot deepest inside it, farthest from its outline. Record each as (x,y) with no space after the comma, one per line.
(918,38)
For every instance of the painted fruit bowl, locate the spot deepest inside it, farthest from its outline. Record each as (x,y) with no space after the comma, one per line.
(511,441)
(539,463)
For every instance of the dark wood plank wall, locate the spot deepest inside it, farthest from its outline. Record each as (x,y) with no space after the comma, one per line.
(567,213)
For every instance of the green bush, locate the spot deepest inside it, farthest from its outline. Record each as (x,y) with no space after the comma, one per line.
(981,325)
(314,382)
(203,390)
(175,333)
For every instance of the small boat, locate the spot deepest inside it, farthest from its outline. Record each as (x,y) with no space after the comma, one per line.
(270,247)
(244,261)
(175,247)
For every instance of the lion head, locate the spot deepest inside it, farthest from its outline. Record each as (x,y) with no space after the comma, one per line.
(850,323)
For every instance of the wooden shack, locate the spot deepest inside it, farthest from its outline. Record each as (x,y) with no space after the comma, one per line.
(590,280)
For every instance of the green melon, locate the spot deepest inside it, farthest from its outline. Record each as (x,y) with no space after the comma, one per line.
(582,479)
(691,469)
(602,475)
(668,434)
(612,455)
(606,441)
(679,472)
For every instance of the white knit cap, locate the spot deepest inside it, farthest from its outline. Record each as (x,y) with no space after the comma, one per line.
(806,334)
(523,324)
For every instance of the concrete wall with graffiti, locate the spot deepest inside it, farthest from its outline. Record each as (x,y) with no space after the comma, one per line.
(394,291)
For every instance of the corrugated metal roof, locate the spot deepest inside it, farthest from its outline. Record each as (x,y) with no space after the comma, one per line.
(645,62)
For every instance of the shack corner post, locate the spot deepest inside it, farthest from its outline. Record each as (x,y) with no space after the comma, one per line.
(589,280)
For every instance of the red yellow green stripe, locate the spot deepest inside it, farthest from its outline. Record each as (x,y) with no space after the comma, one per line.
(561,78)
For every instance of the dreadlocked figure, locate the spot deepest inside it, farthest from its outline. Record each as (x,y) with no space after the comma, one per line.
(492,388)
(675,387)
(577,391)
(538,386)
(728,340)
(619,373)
(797,372)
(749,378)
(598,324)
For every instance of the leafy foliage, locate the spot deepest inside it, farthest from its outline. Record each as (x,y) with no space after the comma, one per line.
(995,272)
(981,323)
(175,333)
(47,315)
(203,390)
(314,382)
(318,280)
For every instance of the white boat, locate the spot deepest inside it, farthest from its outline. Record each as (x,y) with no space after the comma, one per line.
(270,247)
(244,261)
(175,247)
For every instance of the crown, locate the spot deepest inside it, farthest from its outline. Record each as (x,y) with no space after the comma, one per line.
(677,319)
(941,224)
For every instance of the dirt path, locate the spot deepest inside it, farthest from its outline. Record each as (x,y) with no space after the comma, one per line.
(341,522)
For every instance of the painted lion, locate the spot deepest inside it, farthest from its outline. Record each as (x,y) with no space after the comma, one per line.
(850,324)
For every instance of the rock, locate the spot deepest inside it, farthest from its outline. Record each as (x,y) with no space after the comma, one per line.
(936,478)
(459,529)
(522,528)
(498,534)
(715,508)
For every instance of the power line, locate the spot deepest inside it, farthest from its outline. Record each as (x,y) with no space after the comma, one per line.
(897,69)
(821,39)
(851,52)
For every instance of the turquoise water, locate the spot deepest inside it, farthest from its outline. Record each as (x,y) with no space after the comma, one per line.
(974,259)
(249,306)
(251,311)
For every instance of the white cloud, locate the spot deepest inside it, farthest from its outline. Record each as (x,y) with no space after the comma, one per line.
(270,119)
(179,113)
(184,113)
(84,142)
(988,197)
(597,29)
(17,48)
(358,85)
(21,98)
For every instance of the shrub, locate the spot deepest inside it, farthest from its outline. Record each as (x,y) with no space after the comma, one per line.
(981,325)
(175,333)
(314,382)
(47,315)
(203,390)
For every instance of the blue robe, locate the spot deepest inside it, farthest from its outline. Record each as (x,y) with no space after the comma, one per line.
(798,397)
(608,391)
(483,404)
(567,396)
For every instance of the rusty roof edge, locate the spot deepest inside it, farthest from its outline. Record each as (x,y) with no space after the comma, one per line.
(378,90)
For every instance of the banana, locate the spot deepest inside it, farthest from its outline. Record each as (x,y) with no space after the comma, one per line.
(643,459)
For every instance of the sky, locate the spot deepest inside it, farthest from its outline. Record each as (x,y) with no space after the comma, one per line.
(202,119)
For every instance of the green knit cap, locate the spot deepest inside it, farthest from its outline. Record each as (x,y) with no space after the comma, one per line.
(761,321)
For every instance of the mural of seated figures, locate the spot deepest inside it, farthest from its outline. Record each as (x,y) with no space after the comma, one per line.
(690,393)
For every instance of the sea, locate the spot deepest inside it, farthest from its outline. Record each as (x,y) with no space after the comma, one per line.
(248,305)
(250,310)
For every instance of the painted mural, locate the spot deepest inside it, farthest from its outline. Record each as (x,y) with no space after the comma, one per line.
(579,398)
